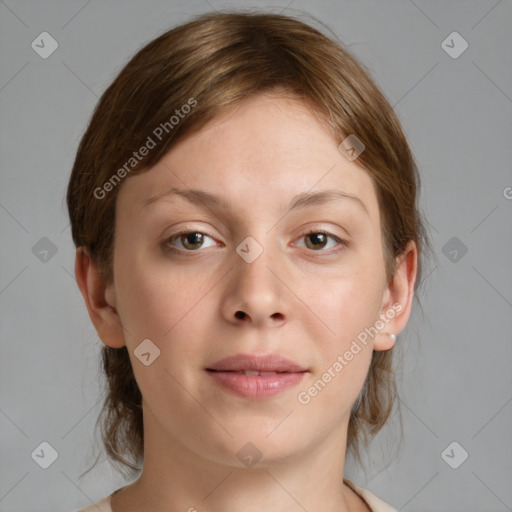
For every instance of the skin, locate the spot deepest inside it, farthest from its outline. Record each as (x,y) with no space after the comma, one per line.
(256,156)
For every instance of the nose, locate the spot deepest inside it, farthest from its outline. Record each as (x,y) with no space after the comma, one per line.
(255,294)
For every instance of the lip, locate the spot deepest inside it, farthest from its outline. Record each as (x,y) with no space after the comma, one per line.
(268,375)
(260,363)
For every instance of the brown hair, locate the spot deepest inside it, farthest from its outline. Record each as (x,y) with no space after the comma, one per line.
(211,62)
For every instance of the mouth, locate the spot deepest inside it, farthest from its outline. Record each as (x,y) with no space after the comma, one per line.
(256,377)
(269,363)
(249,372)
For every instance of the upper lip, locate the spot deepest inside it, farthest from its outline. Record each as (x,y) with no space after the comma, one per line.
(253,362)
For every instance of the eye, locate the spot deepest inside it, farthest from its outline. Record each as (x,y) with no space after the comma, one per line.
(192,241)
(189,240)
(318,240)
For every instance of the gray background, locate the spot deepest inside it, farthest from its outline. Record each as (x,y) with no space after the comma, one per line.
(456,383)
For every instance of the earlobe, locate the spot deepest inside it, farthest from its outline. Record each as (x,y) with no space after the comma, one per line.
(99,299)
(384,341)
(399,295)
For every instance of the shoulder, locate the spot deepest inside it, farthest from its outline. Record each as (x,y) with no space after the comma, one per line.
(375,504)
(100,506)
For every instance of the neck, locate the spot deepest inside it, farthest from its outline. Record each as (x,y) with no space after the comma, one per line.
(179,477)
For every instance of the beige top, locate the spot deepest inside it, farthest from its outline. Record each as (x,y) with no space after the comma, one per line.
(374,503)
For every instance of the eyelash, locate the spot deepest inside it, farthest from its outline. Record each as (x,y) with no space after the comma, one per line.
(341,243)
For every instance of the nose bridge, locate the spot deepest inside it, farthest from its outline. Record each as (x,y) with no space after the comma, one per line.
(251,264)
(255,289)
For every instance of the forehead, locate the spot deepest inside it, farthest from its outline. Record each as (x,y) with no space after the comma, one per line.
(261,152)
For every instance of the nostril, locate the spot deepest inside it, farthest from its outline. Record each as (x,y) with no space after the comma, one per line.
(240,314)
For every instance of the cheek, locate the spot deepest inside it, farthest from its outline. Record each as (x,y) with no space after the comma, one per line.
(155,300)
(342,357)
(344,304)
(347,304)
(162,306)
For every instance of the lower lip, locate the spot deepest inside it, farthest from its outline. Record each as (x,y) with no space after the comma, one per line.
(256,386)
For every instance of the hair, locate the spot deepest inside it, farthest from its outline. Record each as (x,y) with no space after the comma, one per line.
(209,63)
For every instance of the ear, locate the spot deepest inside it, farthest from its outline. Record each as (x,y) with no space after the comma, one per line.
(398,297)
(99,299)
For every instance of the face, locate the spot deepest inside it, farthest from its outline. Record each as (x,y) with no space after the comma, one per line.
(251,263)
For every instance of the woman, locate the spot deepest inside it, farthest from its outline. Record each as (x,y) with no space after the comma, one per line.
(243,205)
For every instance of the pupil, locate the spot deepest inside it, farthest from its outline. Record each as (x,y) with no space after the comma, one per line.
(318,239)
(196,240)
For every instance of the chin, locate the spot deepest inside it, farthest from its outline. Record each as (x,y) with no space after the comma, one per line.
(253,447)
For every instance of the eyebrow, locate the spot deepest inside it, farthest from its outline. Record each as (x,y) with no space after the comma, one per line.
(302,200)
